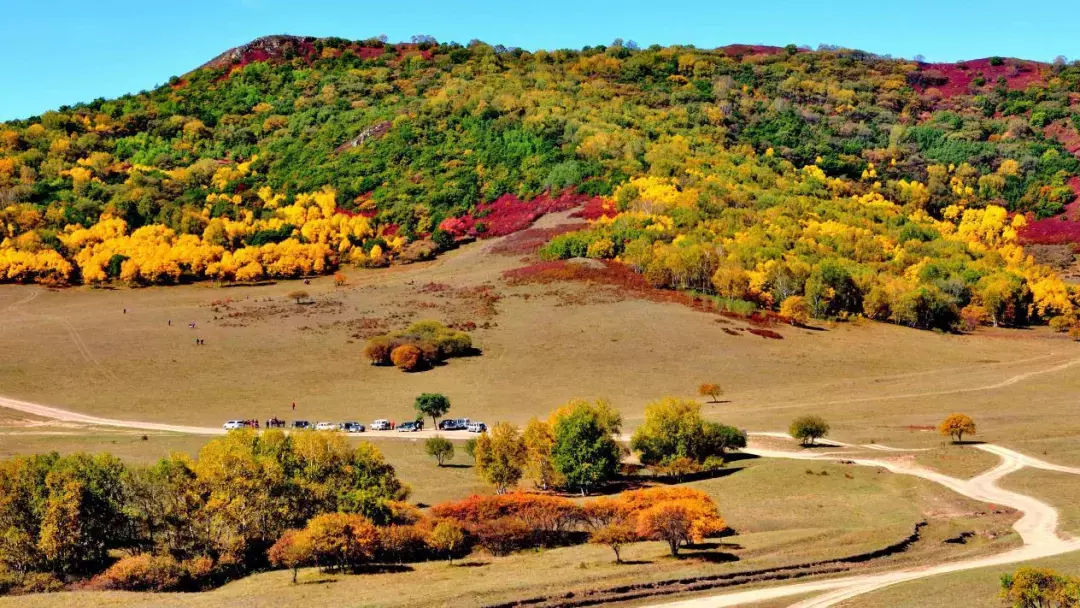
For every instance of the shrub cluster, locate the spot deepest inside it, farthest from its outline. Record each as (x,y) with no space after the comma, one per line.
(184,523)
(420,346)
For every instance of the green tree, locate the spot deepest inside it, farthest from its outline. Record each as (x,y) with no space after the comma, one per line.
(674,429)
(432,404)
(584,452)
(440,448)
(809,429)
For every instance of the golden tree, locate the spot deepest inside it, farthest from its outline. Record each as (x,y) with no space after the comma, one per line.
(710,390)
(956,426)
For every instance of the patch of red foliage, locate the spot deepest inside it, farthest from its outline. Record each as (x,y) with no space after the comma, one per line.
(1057,230)
(742,50)
(277,48)
(530,241)
(1064,134)
(508,214)
(1018,74)
(596,208)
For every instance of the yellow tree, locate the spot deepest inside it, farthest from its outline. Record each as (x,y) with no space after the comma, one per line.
(539,438)
(956,426)
(500,456)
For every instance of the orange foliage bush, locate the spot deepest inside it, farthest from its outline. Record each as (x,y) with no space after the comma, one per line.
(143,572)
(407,357)
(493,520)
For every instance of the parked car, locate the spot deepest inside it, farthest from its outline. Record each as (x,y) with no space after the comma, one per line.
(381,424)
(351,427)
(301,424)
(454,424)
(232,425)
(325,426)
(410,427)
(477,427)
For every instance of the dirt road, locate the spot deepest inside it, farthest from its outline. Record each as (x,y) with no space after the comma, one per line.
(1038,528)
(54,413)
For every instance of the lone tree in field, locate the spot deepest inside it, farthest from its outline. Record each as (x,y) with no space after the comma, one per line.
(956,426)
(710,390)
(432,404)
(809,429)
(440,448)
(299,295)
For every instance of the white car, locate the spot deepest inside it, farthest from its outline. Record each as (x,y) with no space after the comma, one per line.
(380,425)
(325,426)
(232,425)
(477,427)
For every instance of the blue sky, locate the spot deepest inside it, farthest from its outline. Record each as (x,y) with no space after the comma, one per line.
(62,52)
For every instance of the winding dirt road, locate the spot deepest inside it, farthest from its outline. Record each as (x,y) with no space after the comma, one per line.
(1037,527)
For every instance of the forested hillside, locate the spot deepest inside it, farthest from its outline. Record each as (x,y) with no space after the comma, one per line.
(829,182)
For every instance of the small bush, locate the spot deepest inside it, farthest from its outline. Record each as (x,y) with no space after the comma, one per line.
(142,572)
(20,583)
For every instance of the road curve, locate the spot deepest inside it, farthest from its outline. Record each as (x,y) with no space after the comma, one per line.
(1037,527)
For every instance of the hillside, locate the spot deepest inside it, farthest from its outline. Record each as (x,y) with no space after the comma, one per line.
(835,180)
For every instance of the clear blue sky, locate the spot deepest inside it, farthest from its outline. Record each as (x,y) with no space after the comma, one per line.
(62,52)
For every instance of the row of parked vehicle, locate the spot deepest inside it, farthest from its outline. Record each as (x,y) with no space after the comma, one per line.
(382,424)
(462,424)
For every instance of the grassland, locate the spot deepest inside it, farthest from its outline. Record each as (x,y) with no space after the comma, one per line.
(78,349)
(844,510)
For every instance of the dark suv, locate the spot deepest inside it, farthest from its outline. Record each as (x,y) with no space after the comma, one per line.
(301,424)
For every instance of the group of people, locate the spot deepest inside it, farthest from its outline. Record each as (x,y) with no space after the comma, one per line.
(274,423)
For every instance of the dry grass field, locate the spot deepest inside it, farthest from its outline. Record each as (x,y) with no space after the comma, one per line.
(542,345)
(843,510)
(129,354)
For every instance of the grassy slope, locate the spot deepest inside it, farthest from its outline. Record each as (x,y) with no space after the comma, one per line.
(594,344)
(872,381)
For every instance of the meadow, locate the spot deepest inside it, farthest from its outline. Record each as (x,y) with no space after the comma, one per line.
(875,382)
(846,511)
(130,354)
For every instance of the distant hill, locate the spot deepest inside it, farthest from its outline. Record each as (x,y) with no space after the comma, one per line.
(292,155)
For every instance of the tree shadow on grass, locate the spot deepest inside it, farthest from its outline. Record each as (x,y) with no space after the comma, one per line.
(382,569)
(457,466)
(737,456)
(635,562)
(712,557)
(471,564)
(968,442)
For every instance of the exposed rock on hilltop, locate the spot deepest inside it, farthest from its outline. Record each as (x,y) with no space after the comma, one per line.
(280,46)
